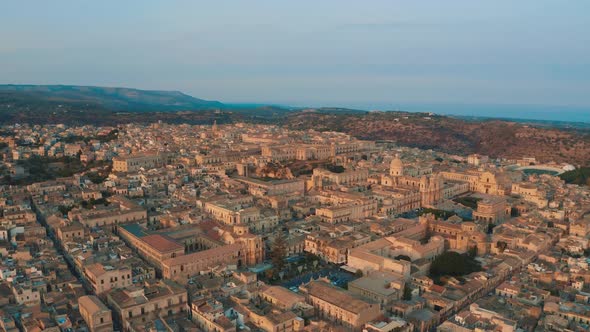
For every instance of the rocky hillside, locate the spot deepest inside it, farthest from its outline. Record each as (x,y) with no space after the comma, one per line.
(494,138)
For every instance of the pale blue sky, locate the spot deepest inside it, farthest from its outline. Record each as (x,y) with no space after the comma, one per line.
(308,52)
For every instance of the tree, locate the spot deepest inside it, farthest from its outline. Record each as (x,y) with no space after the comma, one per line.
(407,293)
(468,201)
(472,251)
(501,245)
(64,209)
(437,213)
(491,228)
(578,176)
(269,274)
(96,178)
(335,168)
(453,264)
(278,251)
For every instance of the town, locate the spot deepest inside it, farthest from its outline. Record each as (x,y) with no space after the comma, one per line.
(255,227)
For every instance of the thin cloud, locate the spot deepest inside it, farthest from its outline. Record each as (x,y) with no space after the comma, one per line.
(408,24)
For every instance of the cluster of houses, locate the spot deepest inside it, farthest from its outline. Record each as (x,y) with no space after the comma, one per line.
(183,231)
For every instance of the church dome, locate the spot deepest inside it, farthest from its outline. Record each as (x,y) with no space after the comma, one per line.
(396,168)
(396,163)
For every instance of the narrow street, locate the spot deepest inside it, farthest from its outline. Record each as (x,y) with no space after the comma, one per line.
(60,250)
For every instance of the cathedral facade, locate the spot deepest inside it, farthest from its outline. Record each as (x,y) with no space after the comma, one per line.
(430,187)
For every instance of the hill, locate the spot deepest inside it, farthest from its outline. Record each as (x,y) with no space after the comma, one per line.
(496,138)
(112,106)
(105,98)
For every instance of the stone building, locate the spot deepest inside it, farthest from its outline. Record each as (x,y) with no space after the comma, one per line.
(430,187)
(172,257)
(485,182)
(96,315)
(491,210)
(103,278)
(209,316)
(379,286)
(340,306)
(259,188)
(145,160)
(323,178)
(461,236)
(241,211)
(380,255)
(120,210)
(144,304)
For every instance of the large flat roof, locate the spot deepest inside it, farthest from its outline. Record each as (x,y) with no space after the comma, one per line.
(338,297)
(134,229)
(162,243)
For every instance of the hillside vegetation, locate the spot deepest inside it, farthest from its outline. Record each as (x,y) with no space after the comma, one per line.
(114,99)
(495,138)
(577,176)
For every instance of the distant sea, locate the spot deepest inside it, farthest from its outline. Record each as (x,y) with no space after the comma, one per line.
(523,112)
(503,111)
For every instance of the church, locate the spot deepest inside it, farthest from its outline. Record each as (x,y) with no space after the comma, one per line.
(430,187)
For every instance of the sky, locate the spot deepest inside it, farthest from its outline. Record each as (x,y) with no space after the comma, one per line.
(330,52)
